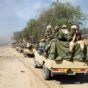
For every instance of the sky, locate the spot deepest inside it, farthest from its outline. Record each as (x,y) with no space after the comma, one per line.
(14,14)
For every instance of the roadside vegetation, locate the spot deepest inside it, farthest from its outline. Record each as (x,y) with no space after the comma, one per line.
(56,14)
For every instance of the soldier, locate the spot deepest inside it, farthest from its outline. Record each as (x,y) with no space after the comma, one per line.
(48,33)
(73,38)
(76,38)
(64,34)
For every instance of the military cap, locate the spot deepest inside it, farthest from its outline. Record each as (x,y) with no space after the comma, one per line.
(74,27)
(64,26)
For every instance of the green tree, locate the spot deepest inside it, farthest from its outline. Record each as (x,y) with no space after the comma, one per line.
(56,14)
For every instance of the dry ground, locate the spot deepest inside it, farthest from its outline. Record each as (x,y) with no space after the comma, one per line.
(16,71)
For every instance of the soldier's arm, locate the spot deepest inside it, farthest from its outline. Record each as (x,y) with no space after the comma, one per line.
(74,37)
(70,36)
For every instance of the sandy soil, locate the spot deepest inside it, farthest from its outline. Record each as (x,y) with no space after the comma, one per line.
(16,71)
(15,74)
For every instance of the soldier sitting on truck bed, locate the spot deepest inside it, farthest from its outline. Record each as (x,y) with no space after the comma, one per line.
(76,39)
(48,33)
(48,38)
(64,34)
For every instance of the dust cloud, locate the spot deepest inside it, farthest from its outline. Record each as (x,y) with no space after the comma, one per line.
(5,40)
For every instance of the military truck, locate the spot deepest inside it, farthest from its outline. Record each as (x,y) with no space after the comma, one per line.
(63,66)
(28,51)
(14,45)
(20,47)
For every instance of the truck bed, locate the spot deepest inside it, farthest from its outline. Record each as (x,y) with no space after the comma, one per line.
(66,64)
(60,64)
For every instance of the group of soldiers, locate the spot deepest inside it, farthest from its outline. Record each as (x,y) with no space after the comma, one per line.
(73,37)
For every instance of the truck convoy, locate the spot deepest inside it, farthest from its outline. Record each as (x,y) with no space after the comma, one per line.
(53,54)
(25,48)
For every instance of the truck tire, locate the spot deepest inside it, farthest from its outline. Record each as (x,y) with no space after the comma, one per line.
(46,73)
(21,51)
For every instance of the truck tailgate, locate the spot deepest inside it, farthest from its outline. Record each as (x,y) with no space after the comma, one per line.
(66,64)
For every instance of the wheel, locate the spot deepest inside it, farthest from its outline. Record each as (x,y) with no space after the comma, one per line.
(21,51)
(46,73)
(35,64)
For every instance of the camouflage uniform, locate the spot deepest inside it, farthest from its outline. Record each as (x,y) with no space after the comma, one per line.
(64,34)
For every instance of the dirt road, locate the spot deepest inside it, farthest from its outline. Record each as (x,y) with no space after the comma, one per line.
(16,71)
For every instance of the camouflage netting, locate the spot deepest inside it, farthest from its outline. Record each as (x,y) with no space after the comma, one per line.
(59,49)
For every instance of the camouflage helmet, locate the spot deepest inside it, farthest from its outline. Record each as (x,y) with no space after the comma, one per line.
(74,27)
(64,26)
